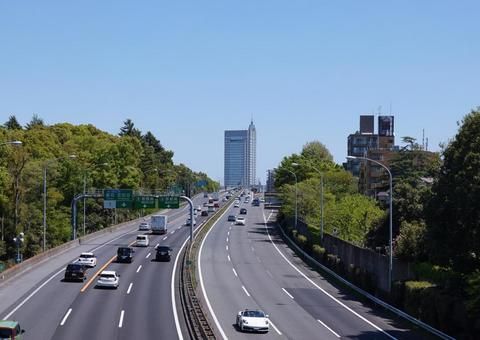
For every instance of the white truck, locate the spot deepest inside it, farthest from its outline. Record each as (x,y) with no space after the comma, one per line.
(158,224)
(215,196)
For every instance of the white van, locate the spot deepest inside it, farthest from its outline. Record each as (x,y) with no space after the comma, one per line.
(142,241)
(211,208)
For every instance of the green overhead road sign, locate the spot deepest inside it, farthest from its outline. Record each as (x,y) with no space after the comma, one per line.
(144,202)
(118,198)
(168,202)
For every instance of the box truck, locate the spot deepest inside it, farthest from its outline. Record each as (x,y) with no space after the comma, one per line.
(158,224)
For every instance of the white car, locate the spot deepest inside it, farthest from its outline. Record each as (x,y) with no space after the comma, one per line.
(199,208)
(144,226)
(188,222)
(253,320)
(240,220)
(108,279)
(87,259)
(237,205)
(142,241)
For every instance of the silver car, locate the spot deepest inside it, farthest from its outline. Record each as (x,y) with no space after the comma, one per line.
(108,279)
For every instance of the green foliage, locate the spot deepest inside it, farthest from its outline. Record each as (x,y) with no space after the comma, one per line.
(316,151)
(473,293)
(102,161)
(409,244)
(453,216)
(12,123)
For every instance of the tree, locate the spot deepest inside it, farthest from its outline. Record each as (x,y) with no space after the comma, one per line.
(35,122)
(453,232)
(128,129)
(12,123)
(316,151)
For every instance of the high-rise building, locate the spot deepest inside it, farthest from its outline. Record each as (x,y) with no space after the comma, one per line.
(240,157)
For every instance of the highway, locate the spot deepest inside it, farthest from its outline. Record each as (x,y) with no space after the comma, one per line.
(141,306)
(251,267)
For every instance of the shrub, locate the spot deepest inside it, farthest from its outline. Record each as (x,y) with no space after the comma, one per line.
(302,241)
(318,252)
(414,293)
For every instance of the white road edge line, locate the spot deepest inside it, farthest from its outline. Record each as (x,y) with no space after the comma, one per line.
(235,272)
(331,330)
(320,288)
(129,287)
(245,290)
(148,255)
(139,267)
(200,275)
(120,322)
(6,317)
(65,317)
(275,328)
(290,295)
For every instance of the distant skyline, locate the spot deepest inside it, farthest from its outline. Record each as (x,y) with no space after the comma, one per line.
(187,71)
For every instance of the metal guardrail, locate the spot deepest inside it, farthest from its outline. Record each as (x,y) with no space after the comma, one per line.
(196,319)
(369,296)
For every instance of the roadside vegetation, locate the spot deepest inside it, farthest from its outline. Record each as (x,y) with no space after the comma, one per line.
(72,155)
(436,222)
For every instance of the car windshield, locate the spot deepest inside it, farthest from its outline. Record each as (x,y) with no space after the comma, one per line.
(107,276)
(74,267)
(163,248)
(86,256)
(6,333)
(253,314)
(124,251)
(141,238)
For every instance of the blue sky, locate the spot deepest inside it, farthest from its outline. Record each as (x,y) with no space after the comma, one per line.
(188,70)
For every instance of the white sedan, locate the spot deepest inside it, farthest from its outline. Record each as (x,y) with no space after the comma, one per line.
(87,259)
(252,320)
(108,279)
(240,220)
(144,226)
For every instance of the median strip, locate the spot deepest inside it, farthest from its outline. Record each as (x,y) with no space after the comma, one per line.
(89,282)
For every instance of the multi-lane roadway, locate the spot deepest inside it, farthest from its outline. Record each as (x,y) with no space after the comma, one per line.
(250,267)
(141,307)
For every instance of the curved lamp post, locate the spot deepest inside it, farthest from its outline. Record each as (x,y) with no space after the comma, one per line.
(321,197)
(296,197)
(46,164)
(390,265)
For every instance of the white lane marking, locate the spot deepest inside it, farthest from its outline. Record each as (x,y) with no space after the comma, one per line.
(148,255)
(226,247)
(235,272)
(129,287)
(65,317)
(290,295)
(228,234)
(252,249)
(227,239)
(6,317)
(173,232)
(139,267)
(320,288)
(331,330)
(275,328)
(120,322)
(164,238)
(245,290)
(258,259)
(159,243)
(200,274)
(269,274)
(228,256)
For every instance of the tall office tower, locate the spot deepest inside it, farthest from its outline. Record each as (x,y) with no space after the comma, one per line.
(240,157)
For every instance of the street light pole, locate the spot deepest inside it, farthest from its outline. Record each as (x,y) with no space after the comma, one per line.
(321,198)
(45,196)
(296,197)
(390,264)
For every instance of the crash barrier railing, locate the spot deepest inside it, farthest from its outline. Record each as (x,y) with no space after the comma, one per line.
(360,291)
(195,317)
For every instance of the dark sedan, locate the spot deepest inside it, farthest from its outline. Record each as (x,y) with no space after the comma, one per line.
(75,272)
(163,253)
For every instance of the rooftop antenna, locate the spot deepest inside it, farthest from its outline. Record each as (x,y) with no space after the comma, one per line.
(426,148)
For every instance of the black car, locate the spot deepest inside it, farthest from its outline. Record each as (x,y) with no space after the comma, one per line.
(231,218)
(75,272)
(204,213)
(163,253)
(243,211)
(125,254)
